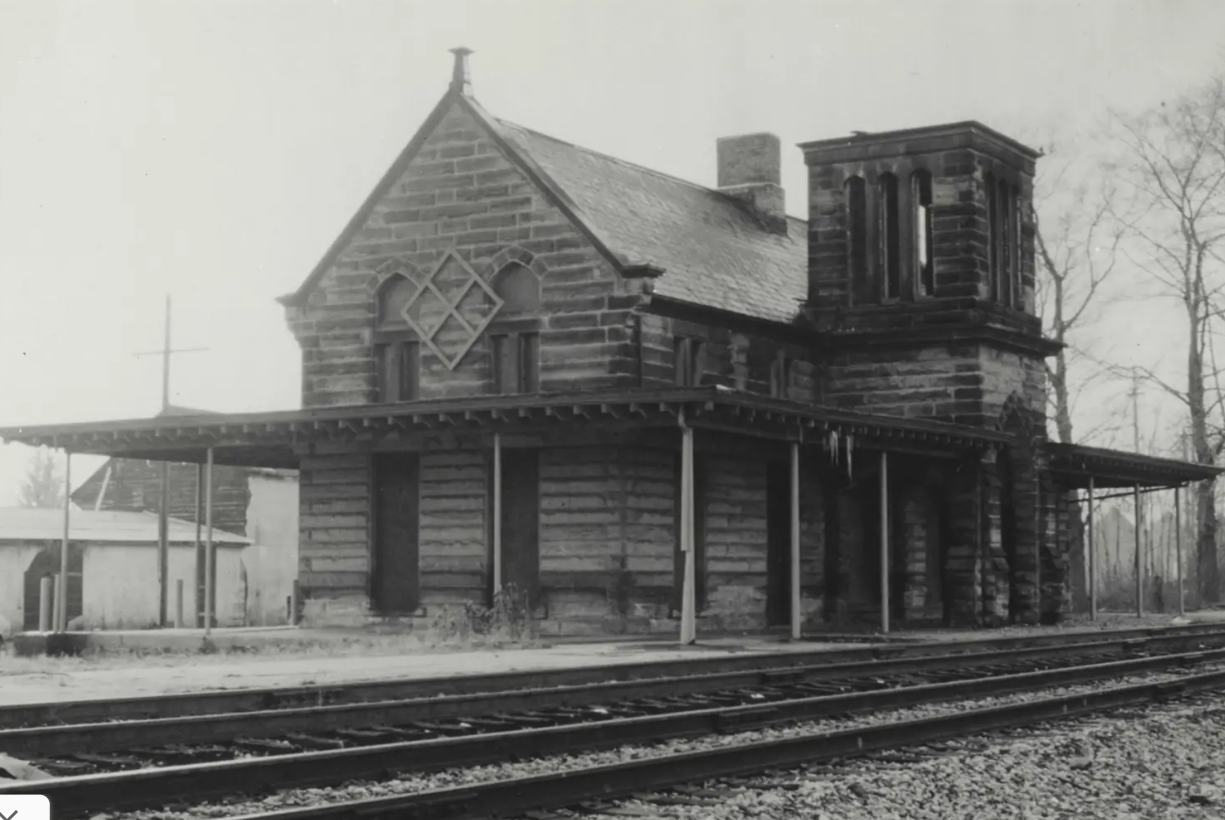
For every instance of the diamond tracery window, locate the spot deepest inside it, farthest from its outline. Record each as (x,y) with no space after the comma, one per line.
(451,309)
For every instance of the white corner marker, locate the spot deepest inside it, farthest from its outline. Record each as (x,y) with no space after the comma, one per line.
(24,807)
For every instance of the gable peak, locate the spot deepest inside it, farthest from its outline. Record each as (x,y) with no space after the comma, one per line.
(461,77)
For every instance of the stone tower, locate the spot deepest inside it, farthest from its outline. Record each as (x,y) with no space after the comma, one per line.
(921,276)
(921,273)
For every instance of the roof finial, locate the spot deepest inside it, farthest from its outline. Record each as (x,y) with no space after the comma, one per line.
(461,80)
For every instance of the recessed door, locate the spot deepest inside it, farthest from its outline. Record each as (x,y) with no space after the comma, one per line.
(397,501)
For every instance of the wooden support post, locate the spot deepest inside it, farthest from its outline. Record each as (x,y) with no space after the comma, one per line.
(45,600)
(688,602)
(178,603)
(163,543)
(1090,557)
(795,541)
(61,597)
(1139,564)
(208,544)
(1178,546)
(197,555)
(497,513)
(884,541)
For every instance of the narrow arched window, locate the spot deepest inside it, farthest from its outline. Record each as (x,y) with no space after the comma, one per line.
(1017,300)
(855,190)
(393,295)
(921,196)
(516,352)
(993,233)
(887,216)
(1007,242)
(397,354)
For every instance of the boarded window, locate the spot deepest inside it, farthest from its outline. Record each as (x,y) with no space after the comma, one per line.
(516,362)
(887,218)
(688,361)
(398,371)
(857,238)
(780,376)
(921,196)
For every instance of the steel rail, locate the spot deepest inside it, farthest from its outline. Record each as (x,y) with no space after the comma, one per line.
(574,786)
(265,698)
(74,796)
(66,739)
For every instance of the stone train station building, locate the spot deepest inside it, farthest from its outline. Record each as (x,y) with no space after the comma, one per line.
(653,405)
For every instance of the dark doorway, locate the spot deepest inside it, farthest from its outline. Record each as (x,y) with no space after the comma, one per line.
(1005,467)
(200,583)
(521,522)
(937,559)
(47,563)
(699,538)
(397,502)
(778,544)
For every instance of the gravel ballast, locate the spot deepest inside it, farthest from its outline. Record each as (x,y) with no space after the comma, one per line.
(414,783)
(1167,761)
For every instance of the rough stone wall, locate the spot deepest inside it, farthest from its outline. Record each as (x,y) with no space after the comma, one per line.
(959,224)
(965,551)
(960,383)
(334,548)
(735,542)
(737,359)
(461,194)
(452,547)
(1060,538)
(913,531)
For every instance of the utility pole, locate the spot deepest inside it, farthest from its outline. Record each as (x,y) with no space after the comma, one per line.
(163,518)
(1135,418)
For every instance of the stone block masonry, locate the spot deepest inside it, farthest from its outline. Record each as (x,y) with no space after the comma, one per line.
(460,194)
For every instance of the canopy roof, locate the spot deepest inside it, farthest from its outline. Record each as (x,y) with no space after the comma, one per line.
(1076,464)
(276,439)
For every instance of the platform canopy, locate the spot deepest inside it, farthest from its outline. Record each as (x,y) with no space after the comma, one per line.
(277,439)
(1075,464)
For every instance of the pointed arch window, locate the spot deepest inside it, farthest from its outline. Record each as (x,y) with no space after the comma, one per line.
(887,234)
(1006,212)
(855,190)
(397,353)
(993,234)
(1015,299)
(924,263)
(516,337)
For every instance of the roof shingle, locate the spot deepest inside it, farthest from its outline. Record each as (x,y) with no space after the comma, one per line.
(713,248)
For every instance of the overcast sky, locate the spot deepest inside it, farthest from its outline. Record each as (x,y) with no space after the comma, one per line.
(213,149)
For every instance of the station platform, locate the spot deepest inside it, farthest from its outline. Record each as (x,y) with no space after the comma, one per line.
(131,664)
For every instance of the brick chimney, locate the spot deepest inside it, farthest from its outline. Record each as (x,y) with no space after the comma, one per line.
(750,168)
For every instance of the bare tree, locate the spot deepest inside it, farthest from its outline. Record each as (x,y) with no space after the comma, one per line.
(42,485)
(1174,167)
(1076,245)
(1076,249)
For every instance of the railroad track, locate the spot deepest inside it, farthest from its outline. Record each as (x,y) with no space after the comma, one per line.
(269,698)
(389,737)
(593,787)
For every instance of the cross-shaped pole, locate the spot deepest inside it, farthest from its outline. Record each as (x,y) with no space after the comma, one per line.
(163,521)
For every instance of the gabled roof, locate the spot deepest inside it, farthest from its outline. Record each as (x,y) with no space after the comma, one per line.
(713,251)
(99,526)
